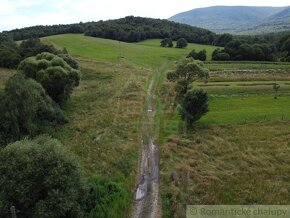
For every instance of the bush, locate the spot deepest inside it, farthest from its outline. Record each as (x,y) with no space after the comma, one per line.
(170,43)
(54,73)
(33,46)
(223,56)
(41,179)
(106,198)
(197,55)
(202,55)
(9,54)
(171,76)
(194,106)
(181,43)
(71,62)
(26,109)
(167,42)
(164,42)
(193,54)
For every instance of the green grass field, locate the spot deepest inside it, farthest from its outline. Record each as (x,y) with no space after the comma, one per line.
(237,154)
(238,151)
(233,164)
(147,53)
(231,110)
(237,102)
(103,123)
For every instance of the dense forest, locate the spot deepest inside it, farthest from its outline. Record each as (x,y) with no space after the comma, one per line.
(269,47)
(12,54)
(134,29)
(128,29)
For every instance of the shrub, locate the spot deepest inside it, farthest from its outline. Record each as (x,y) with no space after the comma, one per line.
(197,55)
(164,42)
(171,76)
(181,43)
(9,54)
(202,55)
(223,56)
(106,198)
(26,109)
(69,61)
(167,42)
(33,46)
(55,74)
(41,179)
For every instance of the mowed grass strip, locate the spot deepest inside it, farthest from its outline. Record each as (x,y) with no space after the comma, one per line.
(250,75)
(148,53)
(243,89)
(237,102)
(246,65)
(230,110)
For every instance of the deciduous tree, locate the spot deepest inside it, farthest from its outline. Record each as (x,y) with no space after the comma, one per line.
(194,106)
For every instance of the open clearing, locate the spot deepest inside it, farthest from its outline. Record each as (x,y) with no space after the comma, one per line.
(237,154)
(147,53)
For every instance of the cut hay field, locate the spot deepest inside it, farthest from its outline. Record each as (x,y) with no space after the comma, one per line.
(247,65)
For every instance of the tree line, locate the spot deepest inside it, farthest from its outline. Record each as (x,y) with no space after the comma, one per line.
(12,54)
(128,29)
(135,29)
(270,47)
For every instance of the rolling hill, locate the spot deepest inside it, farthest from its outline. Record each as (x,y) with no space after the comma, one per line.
(147,53)
(275,23)
(127,29)
(237,19)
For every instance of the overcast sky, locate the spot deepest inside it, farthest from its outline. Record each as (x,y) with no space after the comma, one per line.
(23,13)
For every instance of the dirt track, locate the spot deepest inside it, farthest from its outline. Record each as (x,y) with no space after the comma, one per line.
(146,193)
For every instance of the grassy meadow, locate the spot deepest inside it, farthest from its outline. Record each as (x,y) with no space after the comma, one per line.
(233,164)
(148,53)
(105,110)
(237,154)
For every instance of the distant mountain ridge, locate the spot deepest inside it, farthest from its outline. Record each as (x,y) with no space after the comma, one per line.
(237,19)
